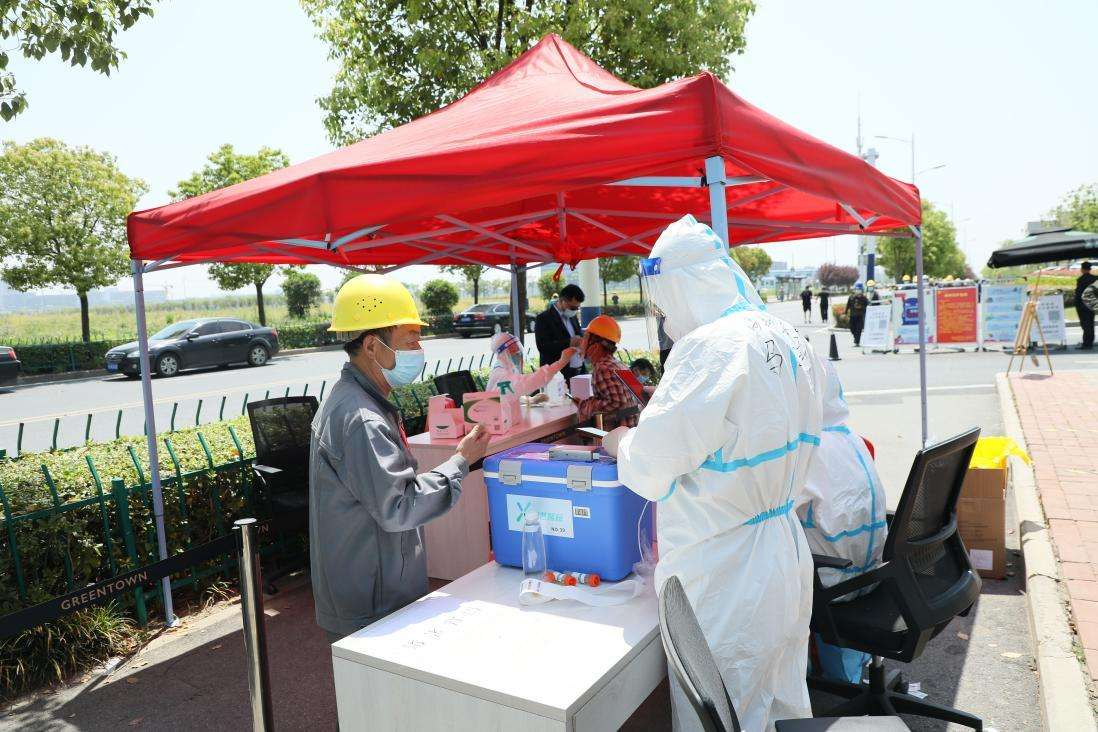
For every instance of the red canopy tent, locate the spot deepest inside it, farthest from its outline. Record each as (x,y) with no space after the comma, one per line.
(551,159)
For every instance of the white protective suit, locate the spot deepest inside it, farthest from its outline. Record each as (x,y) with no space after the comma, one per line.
(507,364)
(725,446)
(842,510)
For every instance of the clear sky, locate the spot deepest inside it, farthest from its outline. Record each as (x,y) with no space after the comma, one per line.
(1001,93)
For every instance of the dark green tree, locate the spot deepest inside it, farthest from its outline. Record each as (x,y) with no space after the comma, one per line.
(1079,208)
(941,255)
(83,33)
(439,296)
(302,291)
(63,219)
(401,60)
(754,260)
(226,167)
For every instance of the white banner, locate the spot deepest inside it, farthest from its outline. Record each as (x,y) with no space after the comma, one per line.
(877,335)
(1050,314)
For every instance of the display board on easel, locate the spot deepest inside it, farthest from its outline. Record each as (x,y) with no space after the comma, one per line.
(1022,338)
(877,334)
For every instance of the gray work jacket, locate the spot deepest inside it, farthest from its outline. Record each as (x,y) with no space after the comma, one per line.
(366,507)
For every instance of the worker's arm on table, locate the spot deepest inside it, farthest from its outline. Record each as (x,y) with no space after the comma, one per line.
(687,420)
(385,482)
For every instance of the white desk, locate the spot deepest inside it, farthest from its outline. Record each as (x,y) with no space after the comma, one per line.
(457,543)
(469,657)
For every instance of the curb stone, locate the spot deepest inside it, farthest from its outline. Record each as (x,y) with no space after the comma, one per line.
(1065,700)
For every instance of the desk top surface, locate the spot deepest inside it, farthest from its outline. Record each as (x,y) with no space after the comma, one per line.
(537,421)
(473,636)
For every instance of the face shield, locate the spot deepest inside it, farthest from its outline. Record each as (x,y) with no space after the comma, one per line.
(689,281)
(508,352)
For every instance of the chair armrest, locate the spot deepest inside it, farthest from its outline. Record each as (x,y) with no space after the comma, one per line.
(265,469)
(822,560)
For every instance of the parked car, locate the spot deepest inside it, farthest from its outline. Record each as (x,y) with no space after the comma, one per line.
(485,317)
(9,366)
(192,344)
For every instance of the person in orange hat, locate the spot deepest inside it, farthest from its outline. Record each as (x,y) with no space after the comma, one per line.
(616,392)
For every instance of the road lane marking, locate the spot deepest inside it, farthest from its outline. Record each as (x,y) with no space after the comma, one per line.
(916,390)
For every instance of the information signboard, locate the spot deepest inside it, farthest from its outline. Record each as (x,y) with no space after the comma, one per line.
(956,315)
(1050,314)
(877,336)
(905,317)
(1001,307)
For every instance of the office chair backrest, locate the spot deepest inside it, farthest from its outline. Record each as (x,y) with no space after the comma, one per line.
(692,661)
(923,532)
(282,430)
(457,384)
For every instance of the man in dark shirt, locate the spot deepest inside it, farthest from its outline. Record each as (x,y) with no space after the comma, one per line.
(825,298)
(806,303)
(1086,315)
(856,306)
(558,328)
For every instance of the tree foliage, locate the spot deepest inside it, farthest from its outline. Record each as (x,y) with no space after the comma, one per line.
(400,61)
(225,167)
(63,218)
(941,255)
(439,296)
(302,291)
(754,260)
(1079,208)
(471,273)
(82,32)
(547,286)
(616,269)
(837,275)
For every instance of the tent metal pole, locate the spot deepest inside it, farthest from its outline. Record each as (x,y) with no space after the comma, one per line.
(150,423)
(516,326)
(717,179)
(918,232)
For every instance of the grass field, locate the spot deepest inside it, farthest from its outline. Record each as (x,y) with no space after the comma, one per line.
(117,322)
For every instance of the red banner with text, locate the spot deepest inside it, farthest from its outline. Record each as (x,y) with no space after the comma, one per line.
(957,320)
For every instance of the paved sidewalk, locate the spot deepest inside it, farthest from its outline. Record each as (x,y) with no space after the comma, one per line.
(1060,424)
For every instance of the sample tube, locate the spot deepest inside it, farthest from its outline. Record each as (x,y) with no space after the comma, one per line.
(560,578)
(585,579)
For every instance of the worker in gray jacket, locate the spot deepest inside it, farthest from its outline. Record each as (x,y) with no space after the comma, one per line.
(366,503)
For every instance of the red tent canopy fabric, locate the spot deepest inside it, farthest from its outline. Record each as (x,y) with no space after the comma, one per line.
(521,170)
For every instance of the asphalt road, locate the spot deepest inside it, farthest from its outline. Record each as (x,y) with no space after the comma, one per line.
(886,376)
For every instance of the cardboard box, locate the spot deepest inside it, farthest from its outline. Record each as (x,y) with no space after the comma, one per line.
(981,520)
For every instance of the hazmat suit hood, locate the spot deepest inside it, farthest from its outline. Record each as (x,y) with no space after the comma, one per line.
(692,280)
(835,410)
(501,357)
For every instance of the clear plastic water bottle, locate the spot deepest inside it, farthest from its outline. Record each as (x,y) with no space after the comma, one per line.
(534,559)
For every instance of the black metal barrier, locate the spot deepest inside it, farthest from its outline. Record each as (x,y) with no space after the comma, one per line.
(244,541)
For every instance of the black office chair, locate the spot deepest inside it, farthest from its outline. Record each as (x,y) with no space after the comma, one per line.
(457,384)
(282,431)
(696,672)
(923,582)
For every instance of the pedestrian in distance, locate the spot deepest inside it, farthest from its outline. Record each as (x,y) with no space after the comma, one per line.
(806,303)
(1086,315)
(825,299)
(856,306)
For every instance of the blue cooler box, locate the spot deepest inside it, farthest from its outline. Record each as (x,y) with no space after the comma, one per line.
(589,519)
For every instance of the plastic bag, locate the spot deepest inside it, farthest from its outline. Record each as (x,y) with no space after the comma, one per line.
(992,452)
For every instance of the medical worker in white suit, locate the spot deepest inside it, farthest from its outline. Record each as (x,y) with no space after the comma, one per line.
(725,446)
(842,509)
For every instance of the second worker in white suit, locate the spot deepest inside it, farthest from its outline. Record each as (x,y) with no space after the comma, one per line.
(725,445)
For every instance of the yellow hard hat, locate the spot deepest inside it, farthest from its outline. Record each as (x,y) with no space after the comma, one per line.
(605,327)
(949,278)
(372,301)
(907,278)
(870,283)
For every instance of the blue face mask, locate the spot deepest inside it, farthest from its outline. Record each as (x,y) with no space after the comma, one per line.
(408,366)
